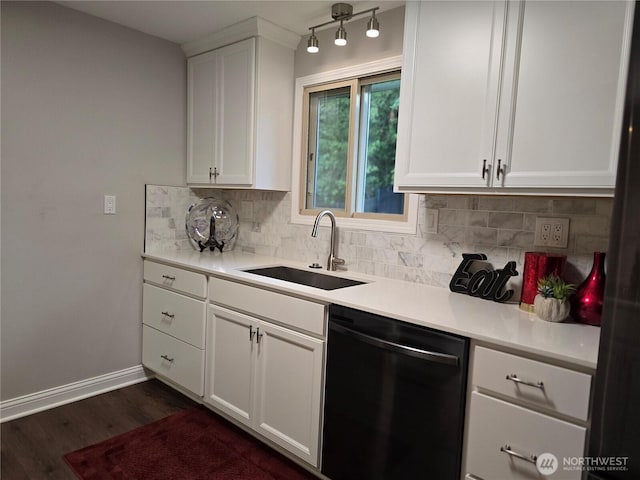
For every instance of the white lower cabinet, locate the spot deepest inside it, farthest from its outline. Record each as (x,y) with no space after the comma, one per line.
(526,418)
(268,377)
(173,324)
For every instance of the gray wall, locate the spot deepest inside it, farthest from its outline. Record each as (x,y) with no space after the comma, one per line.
(88,108)
(359,48)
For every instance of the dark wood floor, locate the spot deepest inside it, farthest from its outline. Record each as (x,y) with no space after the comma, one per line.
(32,446)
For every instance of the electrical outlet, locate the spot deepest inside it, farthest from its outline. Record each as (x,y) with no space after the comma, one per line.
(109,204)
(551,232)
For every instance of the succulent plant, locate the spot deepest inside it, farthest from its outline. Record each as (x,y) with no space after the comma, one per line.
(553,286)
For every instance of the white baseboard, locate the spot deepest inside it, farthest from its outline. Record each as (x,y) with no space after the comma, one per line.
(72,392)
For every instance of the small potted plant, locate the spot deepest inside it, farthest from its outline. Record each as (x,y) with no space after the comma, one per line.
(552,301)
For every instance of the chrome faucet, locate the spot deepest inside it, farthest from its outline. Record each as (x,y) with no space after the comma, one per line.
(332,260)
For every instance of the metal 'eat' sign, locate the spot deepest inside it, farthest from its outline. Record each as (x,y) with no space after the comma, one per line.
(486,284)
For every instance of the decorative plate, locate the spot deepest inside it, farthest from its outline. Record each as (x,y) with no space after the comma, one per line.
(212,223)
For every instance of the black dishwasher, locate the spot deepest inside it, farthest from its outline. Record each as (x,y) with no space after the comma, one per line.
(394,399)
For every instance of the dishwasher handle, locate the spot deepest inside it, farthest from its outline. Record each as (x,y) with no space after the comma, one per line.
(434,357)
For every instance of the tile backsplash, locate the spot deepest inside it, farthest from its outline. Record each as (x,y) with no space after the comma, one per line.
(499,226)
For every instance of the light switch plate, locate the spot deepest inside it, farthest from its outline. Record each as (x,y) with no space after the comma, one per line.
(432,220)
(109,204)
(551,232)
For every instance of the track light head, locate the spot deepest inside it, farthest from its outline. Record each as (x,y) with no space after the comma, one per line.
(341,36)
(312,43)
(373,27)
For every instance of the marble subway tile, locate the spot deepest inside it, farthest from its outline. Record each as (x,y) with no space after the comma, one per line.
(604,207)
(529,223)
(459,202)
(518,238)
(478,218)
(453,217)
(590,225)
(512,221)
(587,244)
(496,204)
(482,236)
(364,253)
(410,259)
(532,204)
(435,201)
(576,206)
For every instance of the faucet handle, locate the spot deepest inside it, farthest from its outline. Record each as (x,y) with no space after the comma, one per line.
(337,261)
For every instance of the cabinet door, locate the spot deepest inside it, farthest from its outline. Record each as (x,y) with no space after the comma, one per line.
(288,390)
(230,360)
(448,98)
(236,69)
(202,119)
(568,94)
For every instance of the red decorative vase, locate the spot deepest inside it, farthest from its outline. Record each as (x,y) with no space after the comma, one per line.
(586,304)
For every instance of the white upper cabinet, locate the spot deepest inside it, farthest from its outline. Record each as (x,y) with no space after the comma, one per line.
(448,93)
(221,86)
(512,96)
(240,107)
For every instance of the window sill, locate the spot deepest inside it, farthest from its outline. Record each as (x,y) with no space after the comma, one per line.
(408,227)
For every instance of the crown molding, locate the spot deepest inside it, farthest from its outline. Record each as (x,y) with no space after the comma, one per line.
(252,27)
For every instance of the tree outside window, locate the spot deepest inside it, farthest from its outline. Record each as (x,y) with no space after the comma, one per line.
(351,140)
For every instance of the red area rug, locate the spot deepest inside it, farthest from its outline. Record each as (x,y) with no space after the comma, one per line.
(194,444)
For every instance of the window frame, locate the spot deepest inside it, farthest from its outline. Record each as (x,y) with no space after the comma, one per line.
(406,223)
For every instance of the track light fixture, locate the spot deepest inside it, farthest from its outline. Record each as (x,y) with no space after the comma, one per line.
(312,43)
(341,36)
(343,12)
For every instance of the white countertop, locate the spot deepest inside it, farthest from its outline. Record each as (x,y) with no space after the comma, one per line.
(490,322)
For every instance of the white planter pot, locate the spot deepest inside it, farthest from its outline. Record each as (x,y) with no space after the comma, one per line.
(551,309)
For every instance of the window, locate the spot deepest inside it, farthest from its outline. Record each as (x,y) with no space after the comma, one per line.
(349,142)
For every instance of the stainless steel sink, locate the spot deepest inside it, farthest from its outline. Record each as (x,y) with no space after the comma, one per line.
(305,277)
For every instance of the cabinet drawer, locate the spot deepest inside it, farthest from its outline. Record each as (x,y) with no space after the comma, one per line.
(175,278)
(496,425)
(562,390)
(172,313)
(174,359)
(294,312)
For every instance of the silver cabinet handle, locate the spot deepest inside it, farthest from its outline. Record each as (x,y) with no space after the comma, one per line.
(485,170)
(499,169)
(470,476)
(258,335)
(251,333)
(527,458)
(167,358)
(514,378)
(169,315)
(168,277)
